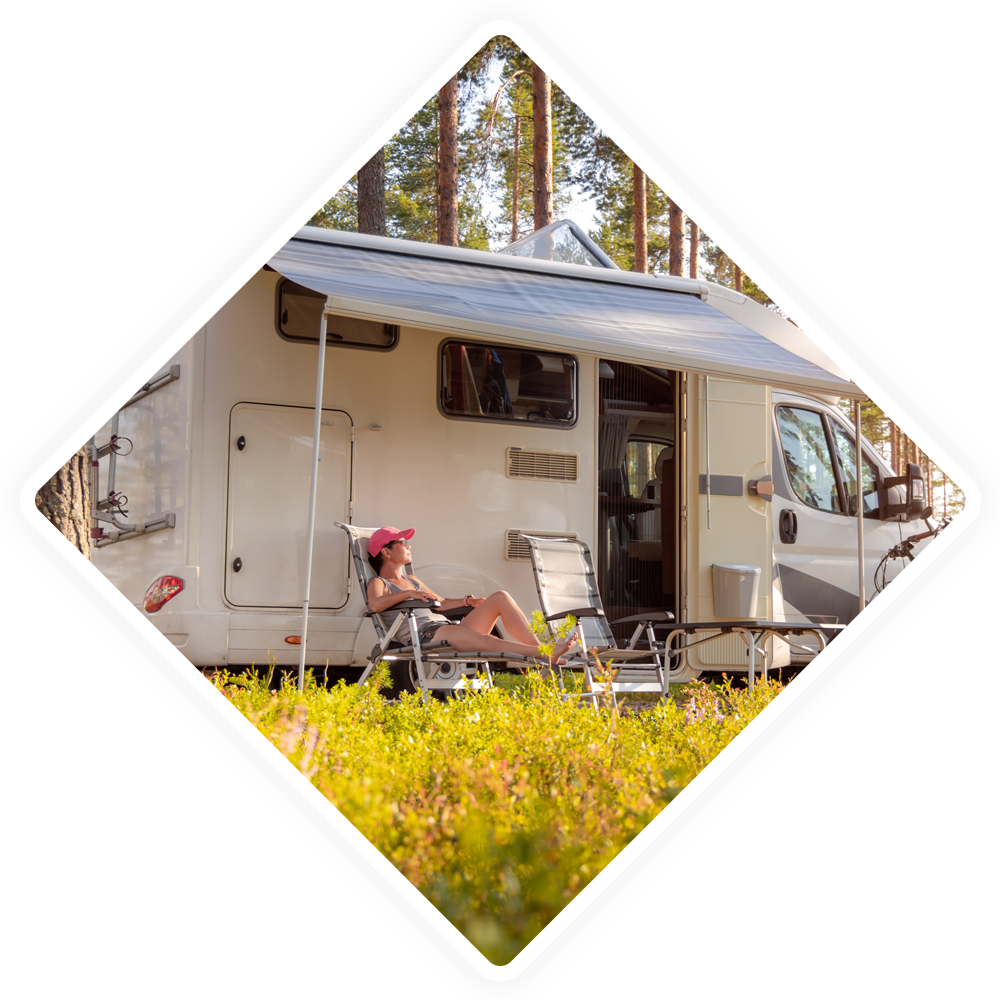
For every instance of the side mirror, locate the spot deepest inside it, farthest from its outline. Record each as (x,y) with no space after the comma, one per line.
(916,494)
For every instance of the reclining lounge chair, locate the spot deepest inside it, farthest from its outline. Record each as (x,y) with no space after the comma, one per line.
(567,585)
(426,667)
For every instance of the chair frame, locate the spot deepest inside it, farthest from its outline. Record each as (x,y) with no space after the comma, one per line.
(426,656)
(629,674)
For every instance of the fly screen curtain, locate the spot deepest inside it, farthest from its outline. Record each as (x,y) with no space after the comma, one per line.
(493,299)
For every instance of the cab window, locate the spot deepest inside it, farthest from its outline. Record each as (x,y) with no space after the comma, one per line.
(807,458)
(848,470)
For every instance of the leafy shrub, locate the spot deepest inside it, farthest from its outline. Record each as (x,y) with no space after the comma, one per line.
(503,805)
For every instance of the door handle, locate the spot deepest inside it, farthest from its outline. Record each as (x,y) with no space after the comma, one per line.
(788,526)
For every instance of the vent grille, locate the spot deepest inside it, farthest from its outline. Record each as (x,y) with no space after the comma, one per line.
(515,546)
(549,466)
(728,651)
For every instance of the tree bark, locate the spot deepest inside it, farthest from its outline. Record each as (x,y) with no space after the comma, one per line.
(517,178)
(65,500)
(695,243)
(676,239)
(448,164)
(541,92)
(737,278)
(640,235)
(371,196)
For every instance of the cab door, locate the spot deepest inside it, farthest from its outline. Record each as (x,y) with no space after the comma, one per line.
(730,448)
(815,531)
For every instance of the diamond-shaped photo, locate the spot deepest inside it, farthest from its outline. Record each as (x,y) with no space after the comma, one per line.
(500,500)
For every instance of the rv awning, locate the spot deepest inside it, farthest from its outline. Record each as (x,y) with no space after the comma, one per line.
(468,292)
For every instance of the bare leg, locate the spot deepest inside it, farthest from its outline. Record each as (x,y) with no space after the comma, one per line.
(500,606)
(466,640)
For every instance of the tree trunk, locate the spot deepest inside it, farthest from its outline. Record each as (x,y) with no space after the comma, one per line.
(737,278)
(448,163)
(541,93)
(695,245)
(640,236)
(676,239)
(893,448)
(65,500)
(517,178)
(371,196)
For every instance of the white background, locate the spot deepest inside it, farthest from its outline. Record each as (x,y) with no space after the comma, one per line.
(156,155)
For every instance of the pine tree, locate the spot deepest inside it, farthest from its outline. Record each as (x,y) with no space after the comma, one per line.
(676,256)
(694,243)
(541,97)
(65,501)
(371,196)
(639,226)
(447,186)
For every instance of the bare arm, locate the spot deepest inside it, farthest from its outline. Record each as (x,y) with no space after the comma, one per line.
(447,603)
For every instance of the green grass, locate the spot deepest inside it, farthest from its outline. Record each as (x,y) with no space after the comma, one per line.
(503,805)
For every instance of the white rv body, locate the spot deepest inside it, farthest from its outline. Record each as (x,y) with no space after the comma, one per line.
(226,448)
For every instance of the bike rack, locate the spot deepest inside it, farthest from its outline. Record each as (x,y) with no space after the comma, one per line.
(106,511)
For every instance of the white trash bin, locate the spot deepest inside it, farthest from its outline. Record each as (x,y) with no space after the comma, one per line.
(735,589)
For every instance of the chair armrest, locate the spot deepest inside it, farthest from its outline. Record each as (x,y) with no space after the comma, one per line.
(415,604)
(455,614)
(650,616)
(576,613)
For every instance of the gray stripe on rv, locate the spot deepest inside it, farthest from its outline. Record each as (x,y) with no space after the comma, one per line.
(815,598)
(722,486)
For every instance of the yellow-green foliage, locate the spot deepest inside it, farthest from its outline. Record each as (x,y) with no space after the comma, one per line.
(500,806)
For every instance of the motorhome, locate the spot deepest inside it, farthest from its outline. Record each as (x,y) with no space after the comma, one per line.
(679,428)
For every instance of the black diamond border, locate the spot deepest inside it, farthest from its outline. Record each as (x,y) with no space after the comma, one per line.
(756,759)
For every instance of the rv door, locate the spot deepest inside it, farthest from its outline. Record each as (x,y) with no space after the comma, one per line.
(730,448)
(270,472)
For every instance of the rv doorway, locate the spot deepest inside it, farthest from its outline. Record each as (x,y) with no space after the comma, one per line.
(636,491)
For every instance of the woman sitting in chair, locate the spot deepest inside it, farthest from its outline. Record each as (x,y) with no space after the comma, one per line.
(389,553)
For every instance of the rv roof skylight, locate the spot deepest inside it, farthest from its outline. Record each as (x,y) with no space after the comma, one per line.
(564,241)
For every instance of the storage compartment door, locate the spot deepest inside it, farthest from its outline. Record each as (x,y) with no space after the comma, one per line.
(734,435)
(269,481)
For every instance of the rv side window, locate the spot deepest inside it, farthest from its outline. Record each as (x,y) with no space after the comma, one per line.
(848,468)
(300,309)
(507,383)
(807,458)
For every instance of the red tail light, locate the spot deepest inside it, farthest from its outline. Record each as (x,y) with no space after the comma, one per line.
(160,591)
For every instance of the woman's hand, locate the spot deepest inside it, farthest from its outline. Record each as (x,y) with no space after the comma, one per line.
(474,602)
(424,593)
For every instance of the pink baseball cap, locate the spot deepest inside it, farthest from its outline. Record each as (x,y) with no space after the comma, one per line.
(383,536)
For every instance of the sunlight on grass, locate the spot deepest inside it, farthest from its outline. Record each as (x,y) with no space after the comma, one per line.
(500,806)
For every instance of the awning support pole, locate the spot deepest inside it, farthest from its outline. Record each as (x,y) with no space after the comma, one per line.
(708,460)
(312,497)
(861,505)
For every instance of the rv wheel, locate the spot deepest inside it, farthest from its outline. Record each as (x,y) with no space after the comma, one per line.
(404,679)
